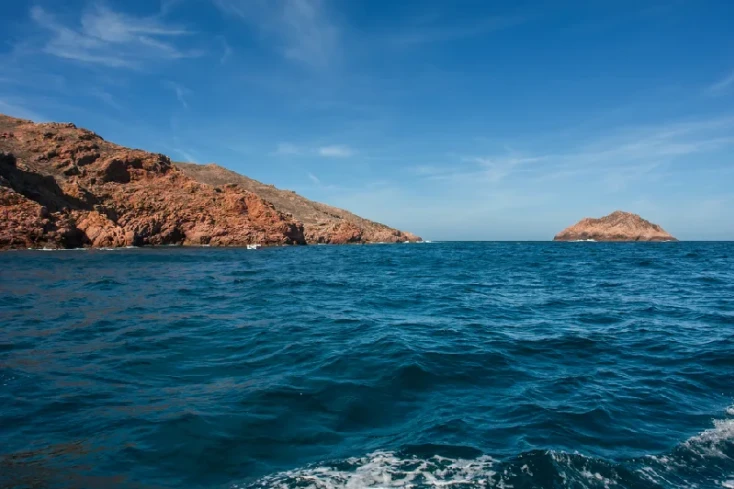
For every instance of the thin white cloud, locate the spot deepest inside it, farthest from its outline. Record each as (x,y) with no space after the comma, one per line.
(628,155)
(168,6)
(314,179)
(188,157)
(288,149)
(107,98)
(180,91)
(427,34)
(497,168)
(661,142)
(110,38)
(335,151)
(485,169)
(16,108)
(102,23)
(302,29)
(428,170)
(722,85)
(331,151)
(226,50)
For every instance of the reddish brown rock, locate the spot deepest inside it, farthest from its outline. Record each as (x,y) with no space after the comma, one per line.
(27,224)
(617,226)
(102,232)
(62,187)
(322,223)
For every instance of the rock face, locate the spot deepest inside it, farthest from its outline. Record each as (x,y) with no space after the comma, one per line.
(66,187)
(617,226)
(321,223)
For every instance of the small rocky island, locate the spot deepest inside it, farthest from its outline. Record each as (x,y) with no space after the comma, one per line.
(617,226)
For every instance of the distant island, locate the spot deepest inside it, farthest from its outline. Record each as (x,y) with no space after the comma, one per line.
(66,187)
(617,226)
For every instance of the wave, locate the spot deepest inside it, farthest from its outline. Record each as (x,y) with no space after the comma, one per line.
(103,284)
(117,248)
(383,469)
(58,249)
(704,460)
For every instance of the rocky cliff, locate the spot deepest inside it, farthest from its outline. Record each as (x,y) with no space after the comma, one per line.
(321,223)
(66,187)
(617,226)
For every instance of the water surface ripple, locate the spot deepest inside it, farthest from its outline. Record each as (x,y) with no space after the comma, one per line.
(524,365)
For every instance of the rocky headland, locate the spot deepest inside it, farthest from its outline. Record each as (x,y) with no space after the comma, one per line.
(321,223)
(65,187)
(617,226)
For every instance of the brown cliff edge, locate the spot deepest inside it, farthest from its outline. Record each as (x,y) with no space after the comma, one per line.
(617,226)
(66,187)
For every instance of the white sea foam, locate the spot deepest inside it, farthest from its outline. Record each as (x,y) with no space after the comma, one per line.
(708,444)
(58,249)
(390,470)
(596,477)
(712,441)
(387,469)
(383,469)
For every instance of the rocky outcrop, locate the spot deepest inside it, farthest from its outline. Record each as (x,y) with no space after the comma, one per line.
(63,187)
(66,187)
(321,223)
(617,226)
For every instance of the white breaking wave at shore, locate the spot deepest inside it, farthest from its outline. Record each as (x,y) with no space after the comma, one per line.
(85,249)
(58,249)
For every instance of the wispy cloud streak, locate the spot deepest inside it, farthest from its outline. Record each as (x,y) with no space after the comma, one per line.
(331,151)
(626,156)
(722,85)
(226,51)
(288,149)
(303,29)
(434,34)
(336,151)
(107,98)
(187,156)
(109,38)
(180,91)
(16,108)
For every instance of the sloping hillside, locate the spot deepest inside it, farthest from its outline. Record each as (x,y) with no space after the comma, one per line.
(321,223)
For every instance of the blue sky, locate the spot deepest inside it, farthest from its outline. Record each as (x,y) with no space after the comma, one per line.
(455,120)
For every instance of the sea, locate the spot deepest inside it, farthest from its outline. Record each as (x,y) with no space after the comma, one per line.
(422,365)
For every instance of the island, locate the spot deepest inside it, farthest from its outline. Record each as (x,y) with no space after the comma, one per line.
(617,226)
(66,187)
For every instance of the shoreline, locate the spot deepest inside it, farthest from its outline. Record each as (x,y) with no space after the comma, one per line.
(197,246)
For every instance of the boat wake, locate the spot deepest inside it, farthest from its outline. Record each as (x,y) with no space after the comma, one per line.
(705,460)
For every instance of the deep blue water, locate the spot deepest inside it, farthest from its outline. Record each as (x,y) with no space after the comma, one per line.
(524,365)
